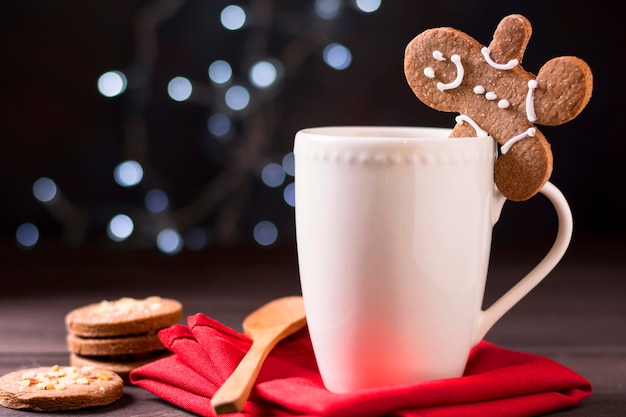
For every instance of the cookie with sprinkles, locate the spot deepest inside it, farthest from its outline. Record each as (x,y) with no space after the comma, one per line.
(59,388)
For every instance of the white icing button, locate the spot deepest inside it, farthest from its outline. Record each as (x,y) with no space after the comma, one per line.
(491,95)
(504,103)
(479,89)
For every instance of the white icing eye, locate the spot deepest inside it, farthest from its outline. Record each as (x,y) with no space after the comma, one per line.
(479,89)
(429,72)
(491,96)
(503,104)
(438,56)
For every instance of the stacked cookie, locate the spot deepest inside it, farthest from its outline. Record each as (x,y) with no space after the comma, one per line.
(120,335)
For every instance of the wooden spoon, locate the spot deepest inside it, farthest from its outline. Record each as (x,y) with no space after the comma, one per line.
(266,326)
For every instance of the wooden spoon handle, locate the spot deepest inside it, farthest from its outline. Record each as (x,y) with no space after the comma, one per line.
(233,394)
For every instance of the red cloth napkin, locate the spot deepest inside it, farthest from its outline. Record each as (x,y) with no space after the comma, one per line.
(497,382)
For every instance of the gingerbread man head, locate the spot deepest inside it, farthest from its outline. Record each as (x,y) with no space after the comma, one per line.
(494,96)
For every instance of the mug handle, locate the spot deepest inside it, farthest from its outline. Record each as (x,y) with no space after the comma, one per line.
(488,317)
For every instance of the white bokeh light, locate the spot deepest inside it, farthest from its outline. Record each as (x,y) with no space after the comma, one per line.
(220,72)
(327,9)
(27,235)
(169,241)
(273,175)
(120,228)
(219,125)
(233,17)
(368,6)
(337,56)
(263,74)
(237,97)
(289,194)
(289,164)
(112,83)
(128,173)
(156,201)
(265,233)
(44,190)
(179,88)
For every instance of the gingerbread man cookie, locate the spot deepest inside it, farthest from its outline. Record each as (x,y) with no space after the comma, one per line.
(494,96)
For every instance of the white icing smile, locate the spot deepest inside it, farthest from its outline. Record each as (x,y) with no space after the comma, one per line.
(460,72)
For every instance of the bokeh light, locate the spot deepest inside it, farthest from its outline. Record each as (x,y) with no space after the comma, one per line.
(368,6)
(273,175)
(337,56)
(219,125)
(169,241)
(120,228)
(263,74)
(289,164)
(44,190)
(179,88)
(289,194)
(327,9)
(128,173)
(237,97)
(112,83)
(27,235)
(265,233)
(156,201)
(233,17)
(220,72)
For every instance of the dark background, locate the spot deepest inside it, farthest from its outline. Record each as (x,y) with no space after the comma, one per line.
(54,123)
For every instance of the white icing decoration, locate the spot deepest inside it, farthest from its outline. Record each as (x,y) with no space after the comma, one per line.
(479,89)
(491,95)
(465,118)
(459,75)
(504,103)
(509,65)
(438,56)
(530,101)
(505,148)
(429,72)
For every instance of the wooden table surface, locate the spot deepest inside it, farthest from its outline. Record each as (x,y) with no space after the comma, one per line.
(576,317)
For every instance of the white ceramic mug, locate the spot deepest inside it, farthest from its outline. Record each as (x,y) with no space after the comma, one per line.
(393,230)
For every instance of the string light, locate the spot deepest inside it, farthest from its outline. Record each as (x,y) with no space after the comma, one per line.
(273,175)
(156,201)
(220,72)
(237,97)
(120,228)
(27,235)
(44,190)
(239,116)
(233,17)
(169,241)
(368,6)
(327,9)
(112,83)
(337,56)
(128,173)
(179,88)
(289,194)
(265,233)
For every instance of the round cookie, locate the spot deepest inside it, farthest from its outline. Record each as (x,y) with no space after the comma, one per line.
(494,96)
(126,345)
(125,316)
(59,388)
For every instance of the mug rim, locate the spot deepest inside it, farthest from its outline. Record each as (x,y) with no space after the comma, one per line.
(366,133)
